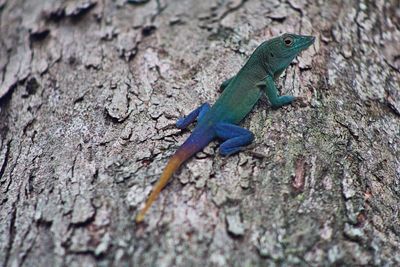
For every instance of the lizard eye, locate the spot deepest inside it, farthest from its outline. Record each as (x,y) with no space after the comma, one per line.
(288,41)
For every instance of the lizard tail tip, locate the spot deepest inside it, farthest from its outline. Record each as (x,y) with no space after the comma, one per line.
(139,218)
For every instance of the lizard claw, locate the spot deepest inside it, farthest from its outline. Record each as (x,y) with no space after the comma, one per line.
(300,101)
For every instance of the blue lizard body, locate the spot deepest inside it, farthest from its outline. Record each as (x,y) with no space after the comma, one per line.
(240,94)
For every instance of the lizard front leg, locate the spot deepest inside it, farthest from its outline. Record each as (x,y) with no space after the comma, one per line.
(234,137)
(198,113)
(268,85)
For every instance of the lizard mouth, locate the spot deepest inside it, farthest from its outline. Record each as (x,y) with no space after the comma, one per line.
(306,41)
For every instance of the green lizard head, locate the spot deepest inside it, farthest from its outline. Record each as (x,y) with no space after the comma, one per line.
(280,51)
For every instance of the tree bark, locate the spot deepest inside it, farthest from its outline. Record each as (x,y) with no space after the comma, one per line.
(89,94)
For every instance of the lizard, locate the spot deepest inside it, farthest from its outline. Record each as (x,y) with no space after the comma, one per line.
(239,95)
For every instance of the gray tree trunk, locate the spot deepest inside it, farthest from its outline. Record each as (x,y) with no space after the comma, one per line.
(89,94)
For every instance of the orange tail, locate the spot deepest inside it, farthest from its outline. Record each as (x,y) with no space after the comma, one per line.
(197,141)
(172,166)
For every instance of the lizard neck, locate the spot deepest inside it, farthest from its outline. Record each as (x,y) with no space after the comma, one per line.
(255,68)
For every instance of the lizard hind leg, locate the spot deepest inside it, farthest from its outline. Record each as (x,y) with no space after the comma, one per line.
(198,113)
(234,137)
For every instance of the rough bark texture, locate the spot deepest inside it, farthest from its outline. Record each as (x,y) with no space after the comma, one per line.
(90,91)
